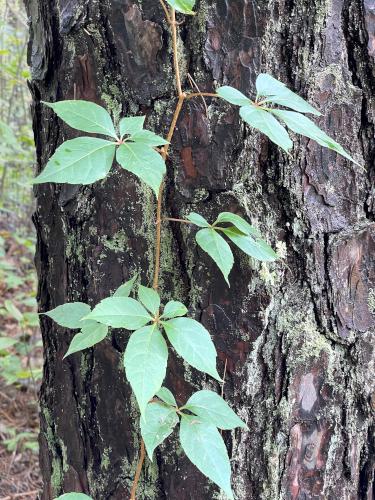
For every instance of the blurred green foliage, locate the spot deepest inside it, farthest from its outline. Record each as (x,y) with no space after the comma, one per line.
(16,140)
(20,342)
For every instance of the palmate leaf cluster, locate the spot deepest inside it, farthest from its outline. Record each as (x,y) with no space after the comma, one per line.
(145,363)
(263,116)
(85,160)
(241,233)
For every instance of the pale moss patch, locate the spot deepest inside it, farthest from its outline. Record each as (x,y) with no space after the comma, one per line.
(371,300)
(117,243)
(56,476)
(269,277)
(105,460)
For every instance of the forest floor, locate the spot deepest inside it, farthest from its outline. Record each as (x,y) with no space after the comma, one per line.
(20,369)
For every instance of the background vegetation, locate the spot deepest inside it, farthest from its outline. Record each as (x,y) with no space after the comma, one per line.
(20,344)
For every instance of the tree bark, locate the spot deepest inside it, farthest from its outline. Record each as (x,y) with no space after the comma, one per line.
(297,336)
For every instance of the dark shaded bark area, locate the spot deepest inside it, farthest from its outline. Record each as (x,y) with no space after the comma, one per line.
(298,335)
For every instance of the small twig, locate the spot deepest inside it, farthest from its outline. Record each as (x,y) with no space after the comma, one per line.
(222,385)
(193,83)
(166,12)
(5,397)
(175,52)
(160,196)
(201,94)
(225,372)
(172,219)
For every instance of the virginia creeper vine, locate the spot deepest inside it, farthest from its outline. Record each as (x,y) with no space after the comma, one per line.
(87,159)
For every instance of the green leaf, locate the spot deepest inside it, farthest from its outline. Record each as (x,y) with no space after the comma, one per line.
(256,248)
(264,121)
(193,343)
(91,334)
(144,162)
(69,315)
(300,124)
(145,362)
(212,409)
(120,312)
(13,310)
(6,342)
(184,6)
(125,289)
(173,309)
(149,298)
(157,425)
(165,395)
(205,448)
(278,93)
(73,496)
(198,220)
(80,161)
(149,138)
(233,96)
(84,115)
(217,248)
(131,125)
(237,221)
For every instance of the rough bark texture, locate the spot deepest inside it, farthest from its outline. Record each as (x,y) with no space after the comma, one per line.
(297,336)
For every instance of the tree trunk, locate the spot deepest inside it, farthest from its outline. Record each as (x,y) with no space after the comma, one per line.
(296,336)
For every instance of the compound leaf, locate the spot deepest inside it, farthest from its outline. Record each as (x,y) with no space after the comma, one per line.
(300,124)
(233,96)
(211,408)
(237,221)
(198,220)
(149,138)
(157,425)
(92,333)
(131,125)
(125,289)
(149,298)
(264,121)
(84,115)
(277,93)
(256,248)
(193,343)
(184,6)
(205,448)
(217,248)
(165,395)
(173,309)
(120,312)
(69,315)
(145,362)
(144,162)
(79,161)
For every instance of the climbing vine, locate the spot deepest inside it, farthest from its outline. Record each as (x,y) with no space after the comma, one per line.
(138,308)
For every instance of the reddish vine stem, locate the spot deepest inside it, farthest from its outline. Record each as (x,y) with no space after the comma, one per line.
(138,471)
(172,128)
(171,19)
(201,94)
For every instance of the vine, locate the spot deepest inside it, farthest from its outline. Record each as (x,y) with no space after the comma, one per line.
(85,160)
